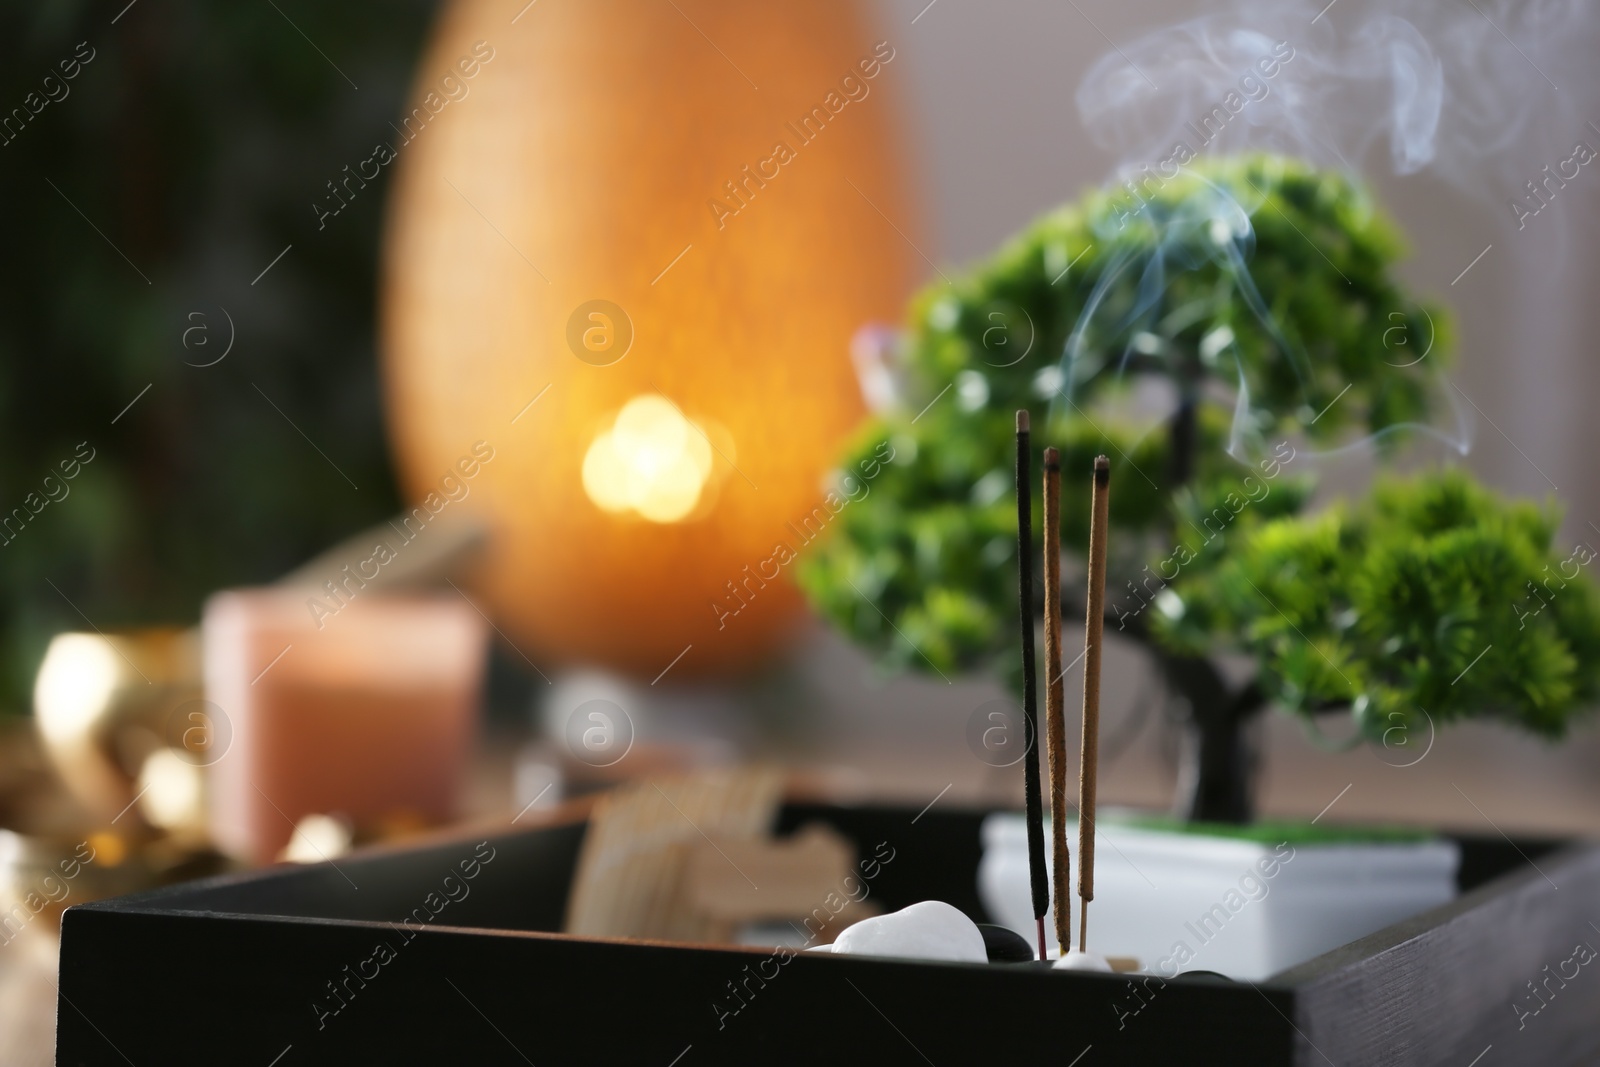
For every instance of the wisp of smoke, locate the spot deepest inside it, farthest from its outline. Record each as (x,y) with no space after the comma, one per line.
(1451,88)
(1325,104)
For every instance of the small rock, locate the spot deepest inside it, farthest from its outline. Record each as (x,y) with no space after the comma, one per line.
(1081,961)
(1005,945)
(931,930)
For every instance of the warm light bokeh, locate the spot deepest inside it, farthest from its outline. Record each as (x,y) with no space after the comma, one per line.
(652,462)
(665,382)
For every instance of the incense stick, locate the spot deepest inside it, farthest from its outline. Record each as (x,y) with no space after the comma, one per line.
(1094,636)
(1055,726)
(1030,709)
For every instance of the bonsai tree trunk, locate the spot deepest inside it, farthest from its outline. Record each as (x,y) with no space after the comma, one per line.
(1217,777)
(1216,782)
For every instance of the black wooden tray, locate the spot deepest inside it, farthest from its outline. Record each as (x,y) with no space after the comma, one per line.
(243,969)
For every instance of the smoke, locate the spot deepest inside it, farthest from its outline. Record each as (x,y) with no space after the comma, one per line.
(1478,93)
(1471,90)
(1278,85)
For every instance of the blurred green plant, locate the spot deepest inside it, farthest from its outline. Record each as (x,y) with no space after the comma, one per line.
(156,185)
(1241,306)
(1432,594)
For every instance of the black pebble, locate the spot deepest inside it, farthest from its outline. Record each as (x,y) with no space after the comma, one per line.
(1206,976)
(1004,945)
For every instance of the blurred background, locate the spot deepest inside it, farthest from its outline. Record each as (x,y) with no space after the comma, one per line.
(250,357)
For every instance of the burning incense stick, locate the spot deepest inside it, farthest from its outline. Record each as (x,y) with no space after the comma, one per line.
(1094,636)
(1030,709)
(1055,726)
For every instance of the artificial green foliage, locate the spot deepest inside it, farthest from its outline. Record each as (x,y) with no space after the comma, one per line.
(1433,596)
(1274,831)
(1205,332)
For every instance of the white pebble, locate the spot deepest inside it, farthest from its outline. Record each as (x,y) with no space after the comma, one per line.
(931,930)
(1081,961)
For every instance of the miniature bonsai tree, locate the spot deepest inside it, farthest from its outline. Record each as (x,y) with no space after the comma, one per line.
(1206,330)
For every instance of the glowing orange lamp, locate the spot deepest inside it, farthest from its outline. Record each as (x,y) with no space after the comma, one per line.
(627,253)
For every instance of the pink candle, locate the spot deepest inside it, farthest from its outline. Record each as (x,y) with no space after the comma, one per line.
(367,713)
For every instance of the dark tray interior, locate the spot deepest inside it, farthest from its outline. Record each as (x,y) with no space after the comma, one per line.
(242,969)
